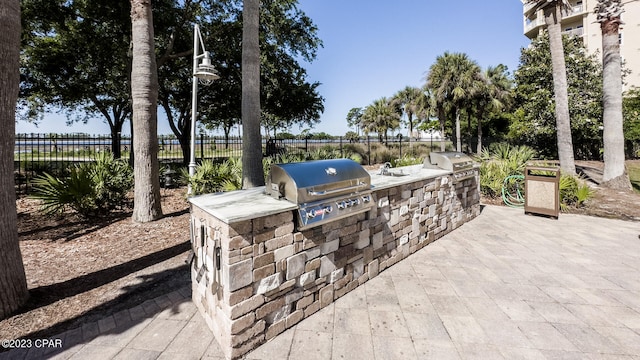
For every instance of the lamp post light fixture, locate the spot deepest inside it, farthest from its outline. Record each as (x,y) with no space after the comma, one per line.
(204,73)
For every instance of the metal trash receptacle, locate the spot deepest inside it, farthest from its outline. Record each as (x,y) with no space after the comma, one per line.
(542,190)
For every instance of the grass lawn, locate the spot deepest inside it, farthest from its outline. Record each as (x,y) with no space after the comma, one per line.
(634,175)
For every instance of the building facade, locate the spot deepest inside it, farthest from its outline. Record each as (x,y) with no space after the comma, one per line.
(580,20)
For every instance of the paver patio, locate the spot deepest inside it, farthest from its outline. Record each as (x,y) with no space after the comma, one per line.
(506,285)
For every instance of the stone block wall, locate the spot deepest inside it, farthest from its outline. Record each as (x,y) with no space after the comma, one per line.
(272,276)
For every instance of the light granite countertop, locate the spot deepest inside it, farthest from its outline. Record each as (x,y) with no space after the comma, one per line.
(403,175)
(235,206)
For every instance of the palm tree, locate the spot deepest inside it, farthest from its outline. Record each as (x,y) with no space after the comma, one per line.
(553,15)
(608,15)
(144,95)
(13,283)
(494,95)
(409,100)
(451,79)
(423,106)
(252,170)
(380,117)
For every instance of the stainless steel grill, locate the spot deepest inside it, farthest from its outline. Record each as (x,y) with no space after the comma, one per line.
(459,163)
(324,190)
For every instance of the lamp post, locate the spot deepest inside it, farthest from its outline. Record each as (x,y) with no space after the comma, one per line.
(206,74)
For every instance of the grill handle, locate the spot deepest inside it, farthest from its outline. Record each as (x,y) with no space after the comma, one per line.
(329,192)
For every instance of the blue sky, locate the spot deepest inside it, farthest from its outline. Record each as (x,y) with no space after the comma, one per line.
(375,48)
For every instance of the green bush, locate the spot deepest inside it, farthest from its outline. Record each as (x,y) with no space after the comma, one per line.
(329,152)
(574,192)
(210,177)
(91,189)
(325,153)
(406,160)
(382,156)
(500,161)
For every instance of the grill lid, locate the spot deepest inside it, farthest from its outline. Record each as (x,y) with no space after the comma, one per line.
(460,164)
(451,161)
(310,181)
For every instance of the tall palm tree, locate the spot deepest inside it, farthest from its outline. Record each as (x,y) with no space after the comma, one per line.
(423,106)
(552,10)
(408,99)
(451,79)
(252,170)
(494,95)
(608,15)
(380,117)
(13,283)
(144,95)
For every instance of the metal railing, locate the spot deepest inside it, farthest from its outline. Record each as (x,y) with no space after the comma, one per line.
(574,32)
(54,153)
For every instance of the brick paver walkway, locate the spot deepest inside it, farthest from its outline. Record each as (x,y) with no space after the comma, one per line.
(504,286)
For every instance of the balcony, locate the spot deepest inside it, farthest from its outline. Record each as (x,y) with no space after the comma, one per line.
(527,7)
(531,25)
(579,32)
(575,10)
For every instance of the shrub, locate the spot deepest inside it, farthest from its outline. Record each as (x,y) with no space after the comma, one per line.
(574,192)
(500,161)
(406,160)
(325,153)
(210,177)
(503,165)
(381,156)
(91,189)
(356,152)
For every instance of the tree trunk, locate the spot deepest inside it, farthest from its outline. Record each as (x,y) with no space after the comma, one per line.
(180,129)
(442,123)
(252,170)
(13,283)
(131,159)
(185,147)
(614,174)
(458,134)
(479,147)
(553,14)
(469,144)
(116,133)
(227,128)
(144,93)
(410,122)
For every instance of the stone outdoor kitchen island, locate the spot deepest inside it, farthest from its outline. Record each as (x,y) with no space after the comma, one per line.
(255,274)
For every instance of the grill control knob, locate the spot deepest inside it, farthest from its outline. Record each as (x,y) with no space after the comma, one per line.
(366,198)
(328,209)
(355,202)
(341,205)
(311,214)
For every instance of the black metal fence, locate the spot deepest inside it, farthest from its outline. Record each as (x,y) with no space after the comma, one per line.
(54,153)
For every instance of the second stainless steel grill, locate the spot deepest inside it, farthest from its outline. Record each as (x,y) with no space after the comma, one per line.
(459,163)
(324,190)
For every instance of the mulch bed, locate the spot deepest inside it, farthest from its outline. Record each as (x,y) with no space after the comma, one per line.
(81,270)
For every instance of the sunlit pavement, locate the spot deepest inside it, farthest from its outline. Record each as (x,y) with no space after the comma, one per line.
(505,285)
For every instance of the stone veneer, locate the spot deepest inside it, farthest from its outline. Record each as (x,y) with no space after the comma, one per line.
(273,276)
